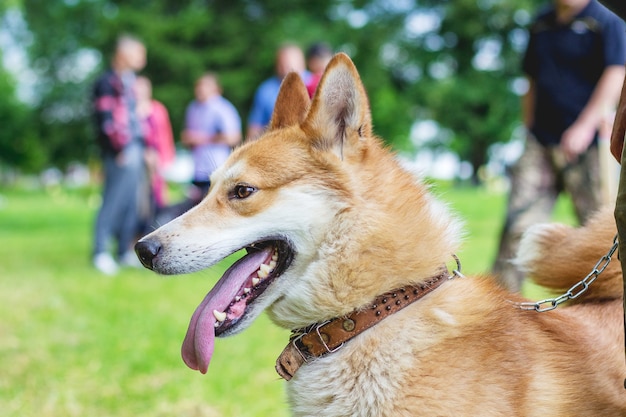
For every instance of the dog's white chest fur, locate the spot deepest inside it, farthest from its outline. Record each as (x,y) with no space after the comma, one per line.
(361,380)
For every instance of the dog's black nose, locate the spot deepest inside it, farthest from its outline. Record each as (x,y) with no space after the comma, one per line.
(146,251)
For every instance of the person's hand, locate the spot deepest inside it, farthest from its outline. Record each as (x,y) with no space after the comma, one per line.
(193,138)
(576,140)
(151,158)
(120,158)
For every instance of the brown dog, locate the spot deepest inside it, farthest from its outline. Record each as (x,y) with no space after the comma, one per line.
(348,250)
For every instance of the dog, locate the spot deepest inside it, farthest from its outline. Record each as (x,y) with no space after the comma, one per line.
(349,250)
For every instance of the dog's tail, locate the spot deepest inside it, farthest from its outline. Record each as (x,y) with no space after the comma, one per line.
(557,256)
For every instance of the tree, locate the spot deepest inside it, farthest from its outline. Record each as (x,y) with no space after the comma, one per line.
(471,67)
(237,39)
(450,61)
(18,142)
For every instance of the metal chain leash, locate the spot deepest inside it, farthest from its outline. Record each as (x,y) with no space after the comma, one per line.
(576,290)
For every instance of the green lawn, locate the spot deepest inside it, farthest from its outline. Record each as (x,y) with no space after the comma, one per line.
(77,343)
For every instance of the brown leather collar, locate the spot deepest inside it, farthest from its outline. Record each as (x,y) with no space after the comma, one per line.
(321,339)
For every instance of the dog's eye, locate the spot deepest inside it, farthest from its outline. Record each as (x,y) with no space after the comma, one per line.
(242,191)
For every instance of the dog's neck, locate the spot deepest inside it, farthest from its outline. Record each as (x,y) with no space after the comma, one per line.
(320,339)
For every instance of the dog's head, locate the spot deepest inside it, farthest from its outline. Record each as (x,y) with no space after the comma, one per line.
(316,202)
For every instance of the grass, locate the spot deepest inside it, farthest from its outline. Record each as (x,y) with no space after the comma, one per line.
(76,343)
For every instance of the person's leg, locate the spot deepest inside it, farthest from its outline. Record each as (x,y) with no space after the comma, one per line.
(107,224)
(105,227)
(531,200)
(129,194)
(581,180)
(146,205)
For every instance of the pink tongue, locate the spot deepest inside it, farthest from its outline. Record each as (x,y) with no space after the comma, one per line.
(198,344)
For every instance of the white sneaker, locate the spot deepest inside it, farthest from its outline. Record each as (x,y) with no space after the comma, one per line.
(130,259)
(105,264)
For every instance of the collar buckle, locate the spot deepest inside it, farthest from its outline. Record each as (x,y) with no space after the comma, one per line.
(321,337)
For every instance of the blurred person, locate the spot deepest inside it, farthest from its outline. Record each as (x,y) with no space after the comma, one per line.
(212,129)
(318,56)
(574,59)
(121,141)
(159,139)
(289,58)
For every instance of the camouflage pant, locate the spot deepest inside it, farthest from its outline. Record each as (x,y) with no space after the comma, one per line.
(620,220)
(537,179)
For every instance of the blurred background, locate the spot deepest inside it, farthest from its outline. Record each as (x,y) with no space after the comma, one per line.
(444,81)
(443,76)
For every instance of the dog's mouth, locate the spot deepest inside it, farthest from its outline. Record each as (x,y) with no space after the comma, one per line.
(227,303)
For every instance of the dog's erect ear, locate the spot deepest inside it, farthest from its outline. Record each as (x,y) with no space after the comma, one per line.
(292,102)
(340,117)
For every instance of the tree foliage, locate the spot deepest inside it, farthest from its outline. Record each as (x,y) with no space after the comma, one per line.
(417,60)
(480,57)
(18,143)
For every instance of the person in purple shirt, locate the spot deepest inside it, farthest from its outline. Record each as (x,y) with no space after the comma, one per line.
(212,129)
(289,58)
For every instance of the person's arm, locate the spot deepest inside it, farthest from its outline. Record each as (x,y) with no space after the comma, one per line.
(191,138)
(229,127)
(253,132)
(256,118)
(619,127)
(231,139)
(617,6)
(577,138)
(165,137)
(108,114)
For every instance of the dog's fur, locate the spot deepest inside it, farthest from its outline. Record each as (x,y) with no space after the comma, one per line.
(359,225)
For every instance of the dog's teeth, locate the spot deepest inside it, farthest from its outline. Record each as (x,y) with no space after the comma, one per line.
(237,298)
(264,271)
(275,257)
(255,281)
(246,290)
(272,264)
(220,316)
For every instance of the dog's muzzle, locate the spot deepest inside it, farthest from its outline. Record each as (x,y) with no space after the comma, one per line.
(147,250)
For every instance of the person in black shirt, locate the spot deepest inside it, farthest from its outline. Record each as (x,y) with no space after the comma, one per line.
(574,59)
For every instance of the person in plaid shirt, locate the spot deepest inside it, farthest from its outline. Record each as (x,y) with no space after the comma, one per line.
(120,136)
